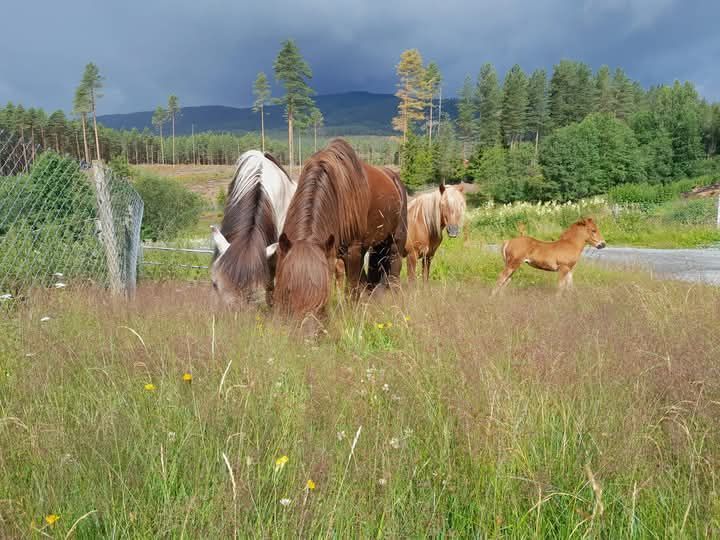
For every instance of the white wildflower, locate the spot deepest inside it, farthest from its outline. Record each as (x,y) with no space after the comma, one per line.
(59,285)
(58,274)
(341,435)
(6,296)
(45,319)
(285,502)
(171,436)
(382,481)
(386,387)
(395,443)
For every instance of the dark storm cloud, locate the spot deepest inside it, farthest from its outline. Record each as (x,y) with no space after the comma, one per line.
(209,52)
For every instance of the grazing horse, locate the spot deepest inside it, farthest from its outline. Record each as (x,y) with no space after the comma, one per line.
(257,202)
(428,214)
(559,256)
(341,209)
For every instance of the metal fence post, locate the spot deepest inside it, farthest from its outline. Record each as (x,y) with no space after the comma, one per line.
(107,228)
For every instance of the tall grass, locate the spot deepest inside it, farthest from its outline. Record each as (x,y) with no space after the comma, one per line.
(438,412)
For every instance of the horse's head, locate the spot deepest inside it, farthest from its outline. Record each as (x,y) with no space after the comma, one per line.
(303,277)
(452,208)
(240,275)
(593,236)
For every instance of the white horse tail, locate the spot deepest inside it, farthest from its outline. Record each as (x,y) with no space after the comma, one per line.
(504,250)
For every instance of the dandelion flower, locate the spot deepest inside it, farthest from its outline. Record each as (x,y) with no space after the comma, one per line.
(150,387)
(407,318)
(285,502)
(380,326)
(187,377)
(50,519)
(310,485)
(280,463)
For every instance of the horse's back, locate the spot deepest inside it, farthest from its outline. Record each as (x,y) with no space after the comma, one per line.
(387,205)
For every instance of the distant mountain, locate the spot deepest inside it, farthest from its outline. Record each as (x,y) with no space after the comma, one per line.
(350,113)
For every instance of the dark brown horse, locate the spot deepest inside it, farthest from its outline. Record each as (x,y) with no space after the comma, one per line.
(342,208)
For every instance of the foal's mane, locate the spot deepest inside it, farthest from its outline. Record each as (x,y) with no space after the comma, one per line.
(332,197)
(248,224)
(582,222)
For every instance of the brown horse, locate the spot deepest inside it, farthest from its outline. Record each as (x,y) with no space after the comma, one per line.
(560,256)
(341,209)
(428,214)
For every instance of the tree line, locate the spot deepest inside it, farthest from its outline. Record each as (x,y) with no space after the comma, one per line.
(574,134)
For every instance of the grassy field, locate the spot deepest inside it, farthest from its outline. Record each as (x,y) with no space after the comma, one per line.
(441,411)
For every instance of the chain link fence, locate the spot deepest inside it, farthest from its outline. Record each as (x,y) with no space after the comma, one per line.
(62,224)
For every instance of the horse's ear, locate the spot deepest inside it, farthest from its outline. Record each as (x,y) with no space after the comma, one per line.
(270,250)
(221,242)
(442,188)
(330,245)
(582,221)
(460,188)
(284,243)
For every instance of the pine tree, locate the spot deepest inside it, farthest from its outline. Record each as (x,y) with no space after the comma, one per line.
(81,108)
(514,107)
(159,118)
(432,80)
(57,126)
(92,81)
(317,120)
(261,91)
(488,100)
(571,93)
(292,71)
(466,115)
(604,91)
(537,105)
(623,95)
(173,111)
(411,91)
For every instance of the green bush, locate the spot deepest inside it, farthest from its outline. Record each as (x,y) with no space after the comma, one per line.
(169,207)
(591,157)
(647,195)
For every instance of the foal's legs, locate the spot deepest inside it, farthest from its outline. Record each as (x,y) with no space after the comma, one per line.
(565,282)
(506,275)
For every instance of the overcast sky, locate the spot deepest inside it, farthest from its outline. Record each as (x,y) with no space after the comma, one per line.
(209,51)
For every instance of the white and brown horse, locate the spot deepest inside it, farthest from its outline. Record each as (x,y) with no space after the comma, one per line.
(428,215)
(559,256)
(259,195)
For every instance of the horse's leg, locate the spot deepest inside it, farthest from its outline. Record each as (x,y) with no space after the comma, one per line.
(427,259)
(412,266)
(394,264)
(354,269)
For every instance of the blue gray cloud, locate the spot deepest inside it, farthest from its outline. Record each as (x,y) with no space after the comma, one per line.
(209,52)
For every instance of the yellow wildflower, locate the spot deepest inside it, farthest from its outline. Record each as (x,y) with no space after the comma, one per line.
(187,377)
(389,325)
(310,485)
(150,387)
(380,326)
(280,462)
(50,519)
(407,318)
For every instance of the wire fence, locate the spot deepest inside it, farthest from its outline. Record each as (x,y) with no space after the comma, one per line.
(62,225)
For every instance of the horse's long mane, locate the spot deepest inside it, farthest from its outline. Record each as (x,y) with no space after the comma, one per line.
(332,197)
(425,208)
(249,216)
(278,165)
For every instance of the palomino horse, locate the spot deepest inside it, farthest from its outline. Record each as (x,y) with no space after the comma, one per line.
(341,209)
(560,256)
(428,214)
(257,202)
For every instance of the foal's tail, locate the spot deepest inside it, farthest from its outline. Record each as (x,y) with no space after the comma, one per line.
(503,250)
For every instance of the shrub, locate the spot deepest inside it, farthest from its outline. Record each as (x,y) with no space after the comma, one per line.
(690,212)
(647,195)
(169,207)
